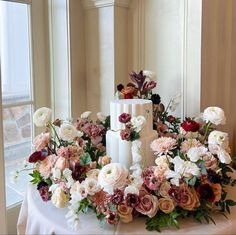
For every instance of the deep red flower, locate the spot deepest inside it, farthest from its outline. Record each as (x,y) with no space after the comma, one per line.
(128,96)
(125,134)
(132,200)
(206,192)
(190,125)
(124,117)
(117,197)
(37,156)
(150,85)
(120,87)
(171,119)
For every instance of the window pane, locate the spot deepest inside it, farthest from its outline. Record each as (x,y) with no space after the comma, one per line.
(17,131)
(14,51)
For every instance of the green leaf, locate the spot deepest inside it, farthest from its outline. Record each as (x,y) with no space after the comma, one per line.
(230,202)
(37,178)
(134,135)
(85,159)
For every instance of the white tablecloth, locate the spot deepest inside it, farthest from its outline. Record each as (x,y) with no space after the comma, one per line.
(38,217)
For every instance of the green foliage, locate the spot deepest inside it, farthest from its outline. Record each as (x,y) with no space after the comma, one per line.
(162,220)
(107,122)
(85,159)
(134,135)
(83,205)
(203,213)
(93,152)
(37,178)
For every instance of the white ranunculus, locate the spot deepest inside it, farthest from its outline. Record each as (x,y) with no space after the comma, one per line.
(224,156)
(42,116)
(86,114)
(138,122)
(113,176)
(131,189)
(101,117)
(195,153)
(219,138)
(214,115)
(149,74)
(163,159)
(67,132)
(59,198)
(91,185)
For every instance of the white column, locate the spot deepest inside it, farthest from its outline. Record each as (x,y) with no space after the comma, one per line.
(106,38)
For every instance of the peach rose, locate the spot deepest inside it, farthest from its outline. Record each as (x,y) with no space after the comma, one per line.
(125,213)
(41,141)
(62,163)
(164,189)
(189,199)
(104,160)
(210,161)
(47,164)
(148,205)
(166,205)
(217,189)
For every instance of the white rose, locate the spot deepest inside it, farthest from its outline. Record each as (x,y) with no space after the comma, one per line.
(86,114)
(113,176)
(59,198)
(219,138)
(224,156)
(149,74)
(79,191)
(91,185)
(162,160)
(131,189)
(67,132)
(196,153)
(42,116)
(93,174)
(101,117)
(214,115)
(138,122)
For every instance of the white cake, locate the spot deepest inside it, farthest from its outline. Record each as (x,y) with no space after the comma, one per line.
(120,150)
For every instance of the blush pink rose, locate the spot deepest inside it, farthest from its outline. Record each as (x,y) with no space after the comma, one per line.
(46,165)
(148,205)
(62,163)
(41,141)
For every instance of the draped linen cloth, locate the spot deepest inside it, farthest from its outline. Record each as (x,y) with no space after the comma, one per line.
(38,217)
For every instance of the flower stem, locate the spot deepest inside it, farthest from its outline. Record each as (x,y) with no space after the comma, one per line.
(206,132)
(55,132)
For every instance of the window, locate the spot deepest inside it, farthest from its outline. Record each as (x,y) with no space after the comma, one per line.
(17,95)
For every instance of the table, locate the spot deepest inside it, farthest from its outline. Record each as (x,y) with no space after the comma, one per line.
(38,217)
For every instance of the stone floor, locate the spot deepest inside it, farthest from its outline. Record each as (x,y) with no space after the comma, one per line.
(14,156)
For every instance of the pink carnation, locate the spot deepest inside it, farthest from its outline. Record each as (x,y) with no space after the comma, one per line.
(41,141)
(189,143)
(163,145)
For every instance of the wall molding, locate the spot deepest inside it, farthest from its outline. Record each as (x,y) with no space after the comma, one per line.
(91,4)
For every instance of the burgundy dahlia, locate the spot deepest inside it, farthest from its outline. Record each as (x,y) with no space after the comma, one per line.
(124,117)
(43,189)
(156,99)
(125,134)
(190,125)
(120,87)
(117,197)
(132,200)
(206,192)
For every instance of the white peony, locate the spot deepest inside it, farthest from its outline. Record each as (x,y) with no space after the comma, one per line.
(195,153)
(59,198)
(219,138)
(86,114)
(101,117)
(131,189)
(42,116)
(91,185)
(138,122)
(113,176)
(67,132)
(214,115)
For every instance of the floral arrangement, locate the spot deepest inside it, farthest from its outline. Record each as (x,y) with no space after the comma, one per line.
(189,178)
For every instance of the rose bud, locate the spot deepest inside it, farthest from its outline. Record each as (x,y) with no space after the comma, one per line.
(124,117)
(190,125)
